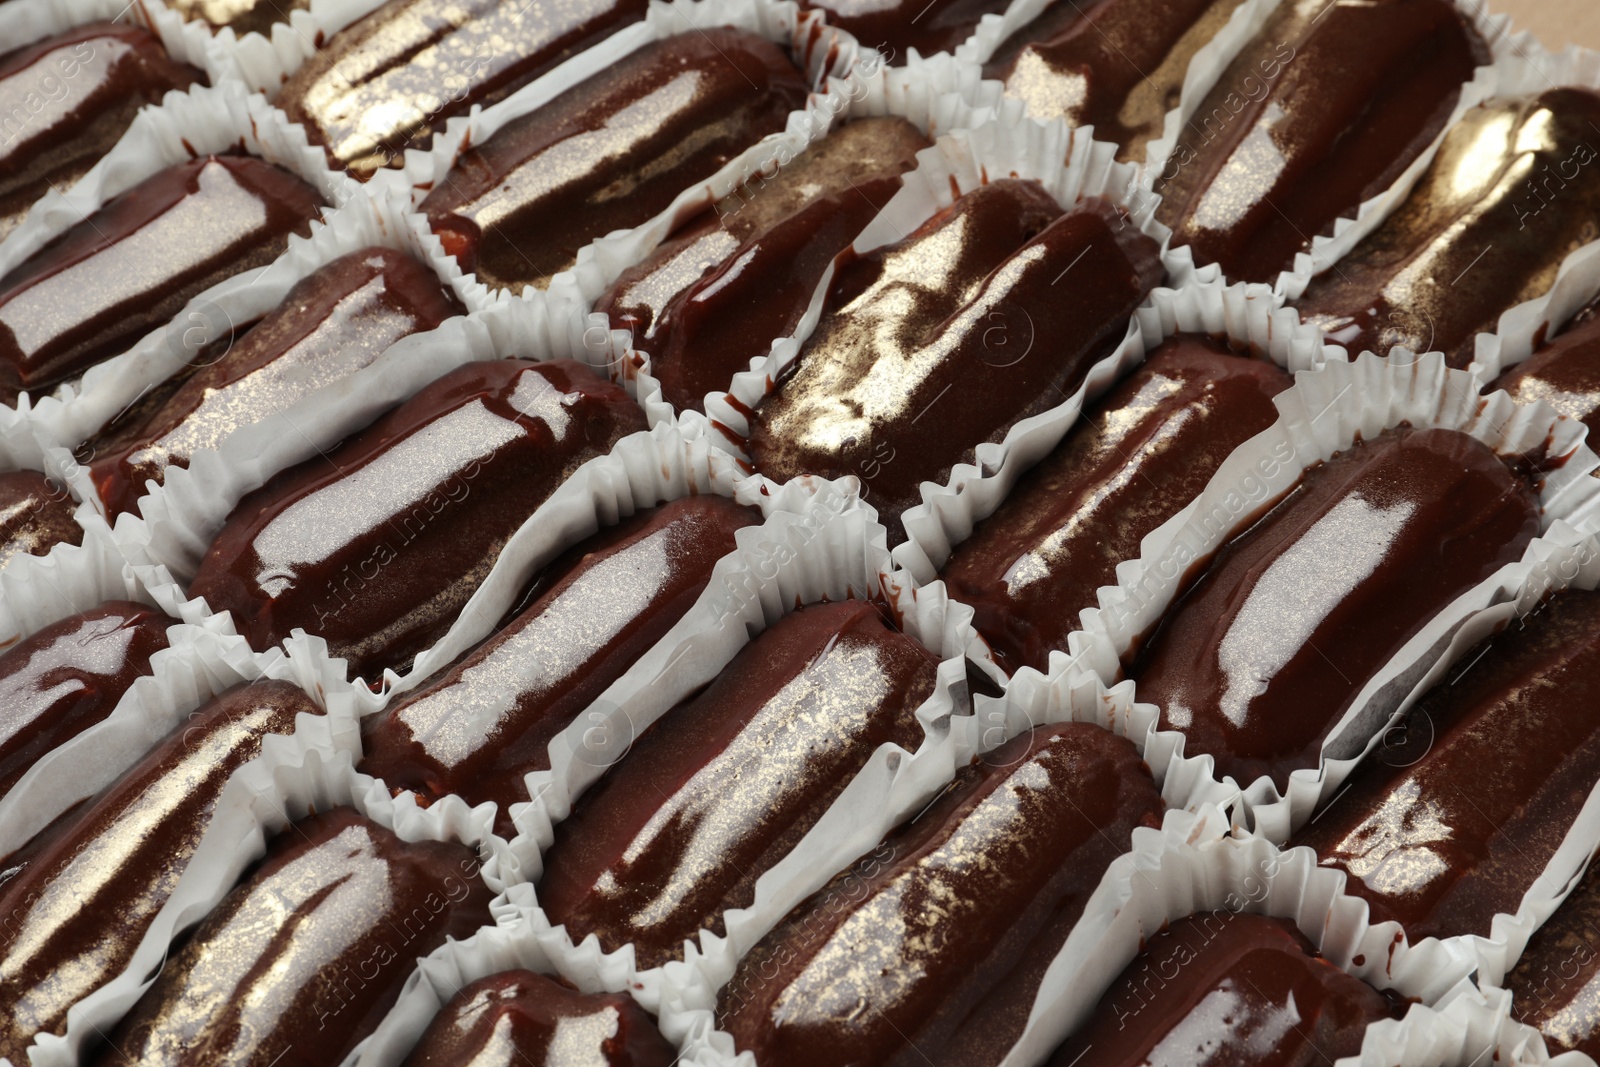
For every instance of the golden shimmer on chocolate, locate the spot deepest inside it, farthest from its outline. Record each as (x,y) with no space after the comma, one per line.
(1565,373)
(390,81)
(939,938)
(1514,190)
(308,953)
(77,912)
(1116,65)
(1555,986)
(241,16)
(722,787)
(36,514)
(1324,109)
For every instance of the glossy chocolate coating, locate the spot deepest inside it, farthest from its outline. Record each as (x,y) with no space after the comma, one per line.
(610,153)
(78,911)
(678,832)
(1444,834)
(242,16)
(716,294)
(1117,65)
(36,514)
(967,306)
(133,265)
(1229,988)
(331,324)
(1259,660)
(523,1019)
(1323,110)
(1147,449)
(1555,986)
(894,27)
(70,675)
(478,730)
(938,939)
(377,545)
(305,956)
(1564,374)
(1518,178)
(391,80)
(66,100)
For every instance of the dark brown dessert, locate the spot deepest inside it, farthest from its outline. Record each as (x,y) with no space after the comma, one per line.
(897,26)
(1554,987)
(1258,662)
(241,16)
(1146,449)
(36,515)
(610,153)
(377,545)
(1564,374)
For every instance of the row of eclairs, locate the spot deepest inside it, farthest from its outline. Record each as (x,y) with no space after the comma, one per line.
(931,947)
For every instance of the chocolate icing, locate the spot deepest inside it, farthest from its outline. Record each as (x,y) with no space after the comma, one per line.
(678,832)
(596,611)
(1257,663)
(1452,822)
(938,939)
(68,676)
(332,323)
(1564,374)
(1554,987)
(968,306)
(610,153)
(1518,177)
(264,978)
(77,912)
(1324,109)
(1147,449)
(377,545)
(36,514)
(133,265)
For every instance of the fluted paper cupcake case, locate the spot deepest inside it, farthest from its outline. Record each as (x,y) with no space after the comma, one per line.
(199,664)
(23,22)
(1478,1021)
(1070,165)
(1206,71)
(179,519)
(1324,412)
(1249,317)
(36,591)
(1526,326)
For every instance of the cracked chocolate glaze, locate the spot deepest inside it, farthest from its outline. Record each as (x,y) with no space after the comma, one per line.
(1453,821)
(78,911)
(1229,988)
(66,100)
(610,153)
(1259,660)
(970,306)
(522,1019)
(66,677)
(1324,109)
(1514,190)
(302,960)
(36,514)
(131,266)
(938,939)
(332,323)
(1116,65)
(678,831)
(480,728)
(1147,448)
(718,292)
(377,545)
(1555,986)
(392,80)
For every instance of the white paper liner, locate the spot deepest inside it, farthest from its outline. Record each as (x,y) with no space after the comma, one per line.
(36,591)
(179,519)
(1478,1022)
(1207,69)
(1071,166)
(223,313)
(308,772)
(199,664)
(1522,328)
(1321,414)
(1248,316)
(23,22)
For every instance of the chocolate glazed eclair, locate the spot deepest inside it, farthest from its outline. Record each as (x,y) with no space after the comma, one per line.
(939,938)
(36,514)
(1555,986)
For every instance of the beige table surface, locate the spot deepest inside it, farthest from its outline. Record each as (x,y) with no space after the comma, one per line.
(1557,23)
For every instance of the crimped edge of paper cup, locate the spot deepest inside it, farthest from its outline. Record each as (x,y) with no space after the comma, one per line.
(25,22)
